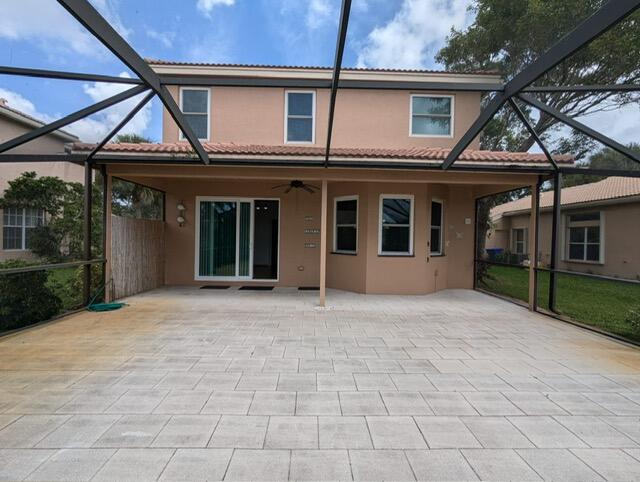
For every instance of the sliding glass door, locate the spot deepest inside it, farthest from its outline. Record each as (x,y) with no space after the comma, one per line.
(225,247)
(225,239)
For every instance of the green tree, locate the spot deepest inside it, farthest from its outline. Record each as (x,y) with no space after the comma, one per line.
(131,138)
(131,199)
(508,35)
(603,159)
(62,236)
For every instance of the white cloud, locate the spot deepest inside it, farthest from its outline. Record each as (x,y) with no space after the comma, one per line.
(109,10)
(46,23)
(165,38)
(96,127)
(53,29)
(620,124)
(18,102)
(207,6)
(414,35)
(321,13)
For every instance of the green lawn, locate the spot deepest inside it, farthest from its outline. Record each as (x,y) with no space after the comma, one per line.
(599,303)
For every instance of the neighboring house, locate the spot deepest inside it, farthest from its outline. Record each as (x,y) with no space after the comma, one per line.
(600,227)
(393,224)
(18,222)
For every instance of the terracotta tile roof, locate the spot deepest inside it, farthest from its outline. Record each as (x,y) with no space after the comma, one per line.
(250,150)
(316,67)
(609,188)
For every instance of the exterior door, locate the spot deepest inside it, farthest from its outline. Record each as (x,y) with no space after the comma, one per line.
(224,239)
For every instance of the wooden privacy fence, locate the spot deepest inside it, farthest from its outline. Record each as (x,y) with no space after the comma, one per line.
(137,255)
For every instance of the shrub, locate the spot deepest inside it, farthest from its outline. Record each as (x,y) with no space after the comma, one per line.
(25,298)
(633,318)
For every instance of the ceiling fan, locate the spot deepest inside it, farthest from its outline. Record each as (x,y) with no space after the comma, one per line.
(297,185)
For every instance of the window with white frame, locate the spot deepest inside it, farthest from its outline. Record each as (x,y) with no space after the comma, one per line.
(194,104)
(431,116)
(584,237)
(437,213)
(17,226)
(396,225)
(519,240)
(345,232)
(300,109)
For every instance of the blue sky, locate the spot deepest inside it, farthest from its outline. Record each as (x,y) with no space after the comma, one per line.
(382,33)
(41,34)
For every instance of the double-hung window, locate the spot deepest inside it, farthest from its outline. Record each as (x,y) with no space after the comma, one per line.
(300,110)
(436,227)
(194,104)
(17,226)
(431,116)
(345,230)
(518,240)
(584,237)
(396,225)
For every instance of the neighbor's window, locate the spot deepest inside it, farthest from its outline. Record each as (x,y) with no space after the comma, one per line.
(345,232)
(436,227)
(300,116)
(518,240)
(18,223)
(584,237)
(396,225)
(194,104)
(431,115)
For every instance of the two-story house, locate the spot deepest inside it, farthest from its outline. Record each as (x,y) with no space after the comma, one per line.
(17,222)
(256,214)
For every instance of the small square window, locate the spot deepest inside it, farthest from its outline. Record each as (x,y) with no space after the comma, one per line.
(300,117)
(431,116)
(194,104)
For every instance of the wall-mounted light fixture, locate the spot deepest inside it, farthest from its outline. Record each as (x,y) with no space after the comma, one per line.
(181,209)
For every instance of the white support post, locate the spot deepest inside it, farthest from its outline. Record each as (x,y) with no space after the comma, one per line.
(323,245)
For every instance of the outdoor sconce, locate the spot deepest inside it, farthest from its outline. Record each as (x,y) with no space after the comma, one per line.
(181,209)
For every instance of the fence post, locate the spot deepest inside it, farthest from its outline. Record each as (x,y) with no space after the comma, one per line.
(86,285)
(555,231)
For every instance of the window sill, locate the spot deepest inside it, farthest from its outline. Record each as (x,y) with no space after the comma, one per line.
(396,255)
(345,253)
(580,261)
(437,255)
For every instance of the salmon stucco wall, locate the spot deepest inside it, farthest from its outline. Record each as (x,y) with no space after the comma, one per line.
(363,118)
(365,272)
(299,266)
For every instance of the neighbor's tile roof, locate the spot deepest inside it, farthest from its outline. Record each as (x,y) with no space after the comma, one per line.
(30,119)
(317,67)
(609,188)
(416,153)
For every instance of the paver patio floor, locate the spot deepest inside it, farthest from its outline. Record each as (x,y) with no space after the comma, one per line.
(187,384)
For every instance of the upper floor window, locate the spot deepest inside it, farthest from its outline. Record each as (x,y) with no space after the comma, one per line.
(300,113)
(17,226)
(194,104)
(345,232)
(431,116)
(436,227)
(396,225)
(584,233)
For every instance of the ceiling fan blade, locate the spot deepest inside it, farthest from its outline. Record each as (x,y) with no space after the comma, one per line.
(288,190)
(313,187)
(279,186)
(308,189)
